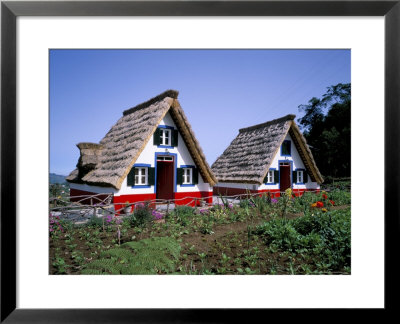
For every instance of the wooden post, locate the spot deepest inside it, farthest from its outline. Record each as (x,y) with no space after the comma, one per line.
(166,214)
(94,208)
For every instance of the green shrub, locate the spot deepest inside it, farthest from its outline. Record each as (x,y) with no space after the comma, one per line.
(95,222)
(183,214)
(326,236)
(340,197)
(141,215)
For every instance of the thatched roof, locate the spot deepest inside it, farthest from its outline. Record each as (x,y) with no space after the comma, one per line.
(249,156)
(109,162)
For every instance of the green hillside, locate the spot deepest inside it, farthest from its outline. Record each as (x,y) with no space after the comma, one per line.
(56,178)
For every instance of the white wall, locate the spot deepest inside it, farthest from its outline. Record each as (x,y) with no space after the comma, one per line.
(148,155)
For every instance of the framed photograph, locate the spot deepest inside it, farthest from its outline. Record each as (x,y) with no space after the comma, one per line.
(48,53)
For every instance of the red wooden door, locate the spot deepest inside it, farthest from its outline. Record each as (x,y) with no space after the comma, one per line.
(284,175)
(165,180)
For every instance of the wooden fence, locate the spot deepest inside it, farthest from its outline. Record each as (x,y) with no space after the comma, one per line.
(88,205)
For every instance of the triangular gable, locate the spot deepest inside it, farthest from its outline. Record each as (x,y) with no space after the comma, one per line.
(303,150)
(249,156)
(126,140)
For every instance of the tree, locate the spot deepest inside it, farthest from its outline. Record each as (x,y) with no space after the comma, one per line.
(326,126)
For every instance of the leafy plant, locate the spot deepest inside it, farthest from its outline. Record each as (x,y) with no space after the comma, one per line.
(183,214)
(141,215)
(55,226)
(60,265)
(95,221)
(149,256)
(324,236)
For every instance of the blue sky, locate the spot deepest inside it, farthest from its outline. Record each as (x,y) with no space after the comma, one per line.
(220,91)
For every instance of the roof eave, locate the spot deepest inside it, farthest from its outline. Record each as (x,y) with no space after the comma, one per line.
(191,142)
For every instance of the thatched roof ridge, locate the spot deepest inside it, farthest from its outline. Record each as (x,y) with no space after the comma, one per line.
(169,93)
(87,145)
(249,156)
(268,123)
(124,142)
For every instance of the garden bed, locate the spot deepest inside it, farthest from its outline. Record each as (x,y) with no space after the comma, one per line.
(259,236)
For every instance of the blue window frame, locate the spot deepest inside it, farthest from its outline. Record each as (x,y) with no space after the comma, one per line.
(188,171)
(144,167)
(170,128)
(300,175)
(286,148)
(270,175)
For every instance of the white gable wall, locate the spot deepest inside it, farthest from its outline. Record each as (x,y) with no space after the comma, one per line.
(297,163)
(148,157)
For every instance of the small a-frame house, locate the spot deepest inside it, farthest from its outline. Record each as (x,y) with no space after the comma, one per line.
(150,153)
(269,157)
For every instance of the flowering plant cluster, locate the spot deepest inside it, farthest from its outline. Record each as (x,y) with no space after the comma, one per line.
(55,225)
(110,220)
(288,192)
(320,204)
(274,201)
(157,215)
(140,206)
(204,211)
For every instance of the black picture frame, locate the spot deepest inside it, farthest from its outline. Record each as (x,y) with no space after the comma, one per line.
(10,10)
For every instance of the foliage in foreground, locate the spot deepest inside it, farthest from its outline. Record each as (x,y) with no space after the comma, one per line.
(324,237)
(300,246)
(149,256)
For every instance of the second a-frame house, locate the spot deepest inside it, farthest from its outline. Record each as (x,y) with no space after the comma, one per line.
(269,157)
(150,153)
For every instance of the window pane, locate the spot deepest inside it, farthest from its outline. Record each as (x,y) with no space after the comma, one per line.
(167,135)
(136,171)
(299,176)
(143,179)
(136,179)
(286,148)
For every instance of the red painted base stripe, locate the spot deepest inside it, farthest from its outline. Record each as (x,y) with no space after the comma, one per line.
(185,198)
(224,191)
